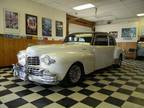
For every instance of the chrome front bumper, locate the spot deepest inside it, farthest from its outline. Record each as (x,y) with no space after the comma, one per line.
(35,74)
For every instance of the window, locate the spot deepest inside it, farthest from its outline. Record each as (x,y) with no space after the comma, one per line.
(101,40)
(85,38)
(112,41)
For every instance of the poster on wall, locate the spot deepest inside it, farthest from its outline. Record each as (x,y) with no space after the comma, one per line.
(128,32)
(114,33)
(142,30)
(59,28)
(31,24)
(11,22)
(11,19)
(46,27)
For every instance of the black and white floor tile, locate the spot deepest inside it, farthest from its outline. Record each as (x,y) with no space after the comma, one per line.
(107,88)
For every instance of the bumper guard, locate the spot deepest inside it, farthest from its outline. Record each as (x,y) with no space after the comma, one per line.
(44,76)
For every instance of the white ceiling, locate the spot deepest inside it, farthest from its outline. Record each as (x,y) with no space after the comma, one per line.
(106,9)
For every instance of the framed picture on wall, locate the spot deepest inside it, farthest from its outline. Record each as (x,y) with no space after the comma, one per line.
(142,30)
(11,21)
(59,28)
(31,24)
(46,27)
(128,32)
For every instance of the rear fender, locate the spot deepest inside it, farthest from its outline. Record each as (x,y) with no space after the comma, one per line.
(118,51)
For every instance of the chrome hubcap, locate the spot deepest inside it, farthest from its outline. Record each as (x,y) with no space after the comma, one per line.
(75,74)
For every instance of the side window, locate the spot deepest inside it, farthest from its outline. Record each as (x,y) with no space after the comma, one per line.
(101,40)
(112,41)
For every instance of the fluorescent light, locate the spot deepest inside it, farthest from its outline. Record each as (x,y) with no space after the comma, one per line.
(84,6)
(141,14)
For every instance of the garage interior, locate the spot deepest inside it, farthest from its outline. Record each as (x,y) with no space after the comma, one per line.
(107,88)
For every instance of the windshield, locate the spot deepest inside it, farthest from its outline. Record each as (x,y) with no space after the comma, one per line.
(83,37)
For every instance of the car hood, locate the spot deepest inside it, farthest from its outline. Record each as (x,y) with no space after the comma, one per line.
(38,50)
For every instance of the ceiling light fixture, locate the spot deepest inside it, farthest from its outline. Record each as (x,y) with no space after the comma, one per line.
(141,14)
(84,6)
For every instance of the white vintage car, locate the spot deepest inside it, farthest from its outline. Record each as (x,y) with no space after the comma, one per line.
(81,54)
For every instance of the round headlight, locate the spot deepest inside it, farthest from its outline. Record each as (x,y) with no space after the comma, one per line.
(47,60)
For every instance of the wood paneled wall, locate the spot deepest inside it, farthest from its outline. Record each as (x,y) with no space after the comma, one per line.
(126,46)
(9,47)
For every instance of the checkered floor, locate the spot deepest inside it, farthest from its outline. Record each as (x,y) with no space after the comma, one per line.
(108,88)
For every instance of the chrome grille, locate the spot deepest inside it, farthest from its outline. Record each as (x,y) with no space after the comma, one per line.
(34,71)
(33,60)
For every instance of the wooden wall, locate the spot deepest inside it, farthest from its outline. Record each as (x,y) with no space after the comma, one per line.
(9,47)
(126,46)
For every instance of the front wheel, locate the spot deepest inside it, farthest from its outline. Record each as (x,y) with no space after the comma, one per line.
(74,75)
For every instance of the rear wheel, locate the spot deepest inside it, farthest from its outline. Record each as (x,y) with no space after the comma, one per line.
(74,75)
(119,62)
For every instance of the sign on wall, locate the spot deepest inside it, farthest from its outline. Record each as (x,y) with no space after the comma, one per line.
(46,27)
(31,24)
(11,21)
(59,28)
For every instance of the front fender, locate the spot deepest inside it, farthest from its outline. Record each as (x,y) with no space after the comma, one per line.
(64,60)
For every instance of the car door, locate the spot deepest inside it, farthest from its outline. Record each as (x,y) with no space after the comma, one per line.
(102,51)
(111,47)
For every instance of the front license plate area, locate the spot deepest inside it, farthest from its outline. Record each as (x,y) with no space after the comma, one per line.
(19,71)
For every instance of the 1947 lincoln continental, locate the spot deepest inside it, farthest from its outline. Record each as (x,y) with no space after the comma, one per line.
(81,54)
